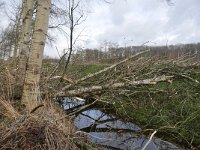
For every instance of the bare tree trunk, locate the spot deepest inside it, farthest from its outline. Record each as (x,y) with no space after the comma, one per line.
(71,18)
(26,32)
(74,21)
(99,88)
(23,15)
(70,51)
(30,92)
(17,26)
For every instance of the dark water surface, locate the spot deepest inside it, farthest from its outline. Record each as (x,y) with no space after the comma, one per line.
(112,132)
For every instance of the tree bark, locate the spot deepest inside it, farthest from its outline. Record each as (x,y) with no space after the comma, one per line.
(26,33)
(71,20)
(93,89)
(31,85)
(22,21)
(17,27)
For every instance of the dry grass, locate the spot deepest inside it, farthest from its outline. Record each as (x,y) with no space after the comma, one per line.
(38,127)
(8,111)
(42,129)
(7,79)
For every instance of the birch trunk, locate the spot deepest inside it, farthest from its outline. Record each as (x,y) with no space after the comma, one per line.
(17,27)
(99,88)
(22,19)
(26,33)
(31,84)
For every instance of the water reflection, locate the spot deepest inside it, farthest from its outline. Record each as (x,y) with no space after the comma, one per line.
(120,140)
(111,132)
(71,103)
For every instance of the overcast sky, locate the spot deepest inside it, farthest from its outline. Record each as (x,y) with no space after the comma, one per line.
(138,21)
(134,22)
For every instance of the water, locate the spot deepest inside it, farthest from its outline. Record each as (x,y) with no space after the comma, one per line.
(112,132)
(69,103)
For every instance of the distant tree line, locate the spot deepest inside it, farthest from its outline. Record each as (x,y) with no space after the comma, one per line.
(114,54)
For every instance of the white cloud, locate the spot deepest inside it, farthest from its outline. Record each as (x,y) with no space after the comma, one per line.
(146,20)
(136,21)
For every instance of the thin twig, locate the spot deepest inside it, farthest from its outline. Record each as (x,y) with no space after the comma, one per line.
(145,146)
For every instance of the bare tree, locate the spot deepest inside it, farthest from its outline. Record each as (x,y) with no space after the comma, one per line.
(31,84)
(76,17)
(25,36)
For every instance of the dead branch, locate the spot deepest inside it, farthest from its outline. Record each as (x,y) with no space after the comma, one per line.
(91,89)
(151,137)
(34,109)
(188,77)
(78,111)
(65,78)
(104,70)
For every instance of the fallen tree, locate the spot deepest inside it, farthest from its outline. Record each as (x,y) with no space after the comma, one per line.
(105,70)
(93,89)
(161,95)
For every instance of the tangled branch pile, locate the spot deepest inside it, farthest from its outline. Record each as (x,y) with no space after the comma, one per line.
(157,94)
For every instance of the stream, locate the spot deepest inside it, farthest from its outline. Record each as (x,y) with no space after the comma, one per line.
(109,131)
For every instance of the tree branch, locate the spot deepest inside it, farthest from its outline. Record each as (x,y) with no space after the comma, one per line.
(94,89)
(105,70)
